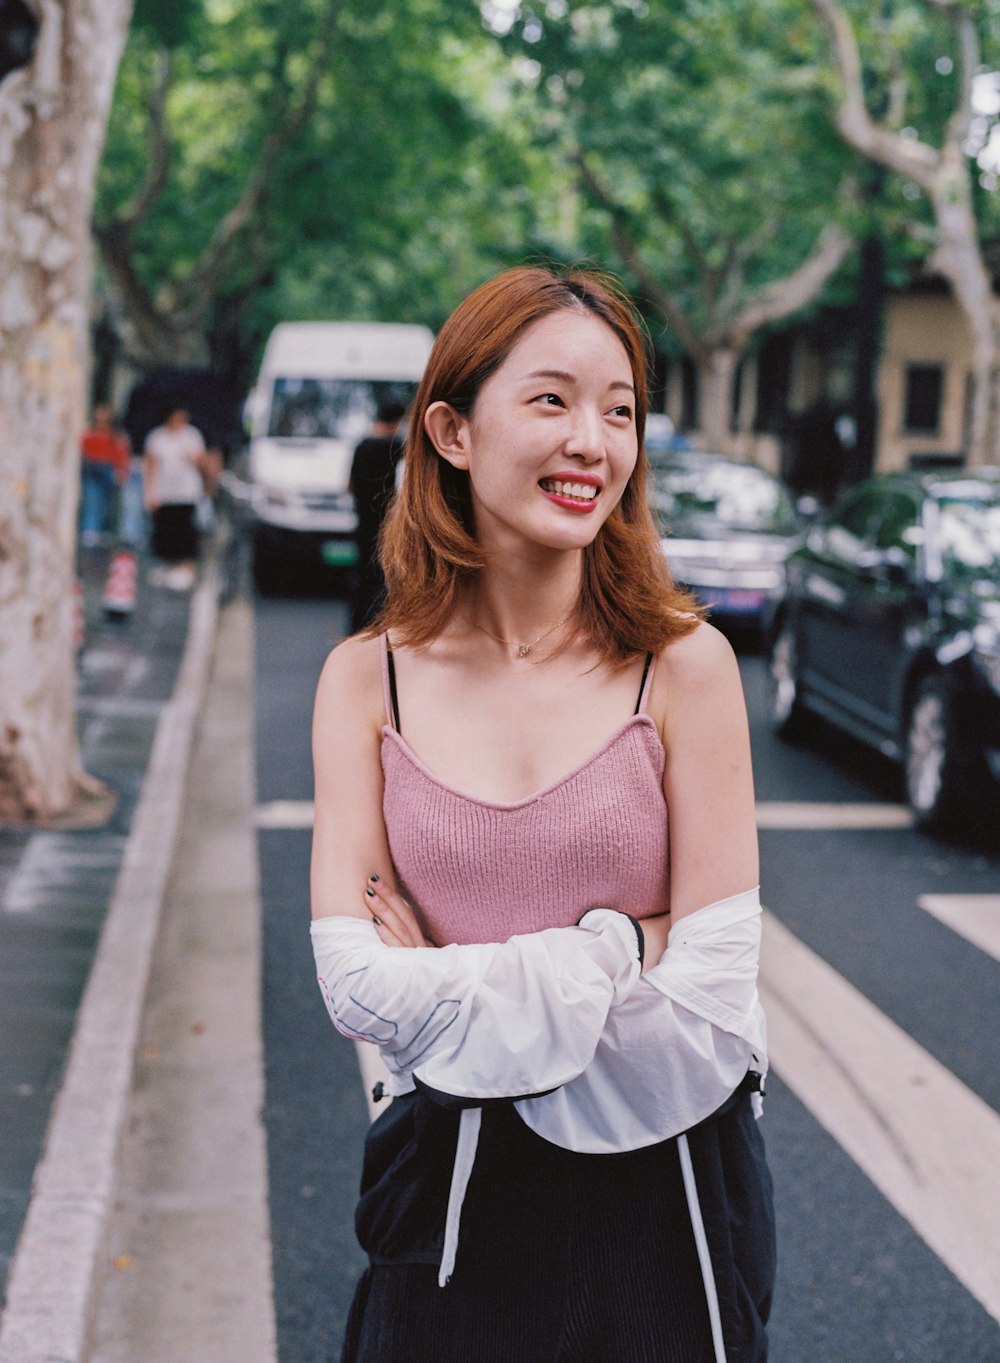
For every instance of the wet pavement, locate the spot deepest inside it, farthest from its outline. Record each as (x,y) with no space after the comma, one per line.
(55,886)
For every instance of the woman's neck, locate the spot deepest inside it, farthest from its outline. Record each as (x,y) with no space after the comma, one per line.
(515,601)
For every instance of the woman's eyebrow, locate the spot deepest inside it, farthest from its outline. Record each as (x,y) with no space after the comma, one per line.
(571,378)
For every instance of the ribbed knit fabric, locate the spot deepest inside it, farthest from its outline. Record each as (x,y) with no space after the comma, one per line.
(481,871)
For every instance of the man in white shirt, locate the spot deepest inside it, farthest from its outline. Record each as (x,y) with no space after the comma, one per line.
(174,463)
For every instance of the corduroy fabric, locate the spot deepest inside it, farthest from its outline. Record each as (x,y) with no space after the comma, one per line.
(481,871)
(564,1258)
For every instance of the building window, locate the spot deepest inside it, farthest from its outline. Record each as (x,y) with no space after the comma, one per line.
(922,401)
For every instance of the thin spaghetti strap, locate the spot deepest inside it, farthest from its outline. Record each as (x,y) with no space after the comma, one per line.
(389,683)
(645,684)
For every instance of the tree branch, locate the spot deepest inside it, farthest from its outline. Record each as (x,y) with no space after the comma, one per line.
(667,209)
(211,265)
(628,249)
(137,209)
(784,296)
(909,156)
(154,328)
(967,41)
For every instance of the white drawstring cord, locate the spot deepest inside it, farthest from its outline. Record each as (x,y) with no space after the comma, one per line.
(701,1242)
(465,1158)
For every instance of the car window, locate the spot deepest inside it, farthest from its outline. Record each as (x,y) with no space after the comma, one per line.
(851,527)
(709,495)
(898,525)
(969,534)
(331,409)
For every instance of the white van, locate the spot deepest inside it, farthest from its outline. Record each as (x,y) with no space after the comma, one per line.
(319,387)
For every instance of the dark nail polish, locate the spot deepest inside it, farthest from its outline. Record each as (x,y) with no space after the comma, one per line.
(376,920)
(373,877)
(370,891)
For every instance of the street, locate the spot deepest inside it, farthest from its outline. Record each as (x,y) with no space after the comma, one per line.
(880,976)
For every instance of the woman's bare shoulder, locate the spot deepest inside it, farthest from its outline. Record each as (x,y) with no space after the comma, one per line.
(697,656)
(697,666)
(352,677)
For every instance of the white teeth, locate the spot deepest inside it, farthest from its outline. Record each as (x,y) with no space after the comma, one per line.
(582,491)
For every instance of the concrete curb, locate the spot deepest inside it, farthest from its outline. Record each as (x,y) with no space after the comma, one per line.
(51,1293)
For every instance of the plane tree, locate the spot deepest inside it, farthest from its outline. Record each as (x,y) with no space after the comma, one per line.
(700,156)
(55,93)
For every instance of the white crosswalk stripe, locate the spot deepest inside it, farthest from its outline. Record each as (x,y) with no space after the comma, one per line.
(976,917)
(926,1141)
(803,815)
(284,814)
(775,814)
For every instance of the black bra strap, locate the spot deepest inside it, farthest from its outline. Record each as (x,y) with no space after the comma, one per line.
(642,684)
(393,696)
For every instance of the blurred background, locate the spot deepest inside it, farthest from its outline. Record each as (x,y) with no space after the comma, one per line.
(801,197)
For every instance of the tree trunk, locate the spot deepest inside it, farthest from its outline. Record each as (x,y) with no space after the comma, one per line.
(716,386)
(960,260)
(870,309)
(52,121)
(746,415)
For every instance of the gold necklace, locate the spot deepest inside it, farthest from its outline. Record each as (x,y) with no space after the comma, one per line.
(523,650)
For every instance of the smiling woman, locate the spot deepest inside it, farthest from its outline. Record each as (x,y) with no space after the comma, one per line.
(432,541)
(494,904)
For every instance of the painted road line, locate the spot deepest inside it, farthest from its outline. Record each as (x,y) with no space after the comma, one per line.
(927,1142)
(284,814)
(778,815)
(793,816)
(120,707)
(976,917)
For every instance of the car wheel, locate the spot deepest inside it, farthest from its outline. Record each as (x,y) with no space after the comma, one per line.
(785,704)
(936,771)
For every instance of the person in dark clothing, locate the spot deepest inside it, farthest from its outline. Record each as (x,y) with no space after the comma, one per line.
(373,484)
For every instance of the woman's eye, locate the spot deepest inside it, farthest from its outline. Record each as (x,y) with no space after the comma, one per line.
(550,399)
(623,411)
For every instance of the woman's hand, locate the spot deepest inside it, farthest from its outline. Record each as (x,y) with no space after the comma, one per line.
(395,922)
(654,932)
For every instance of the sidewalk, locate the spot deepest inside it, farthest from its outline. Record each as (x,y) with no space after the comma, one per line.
(55,887)
(80,910)
(186,1277)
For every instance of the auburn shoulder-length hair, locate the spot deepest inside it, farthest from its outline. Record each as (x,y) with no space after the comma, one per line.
(629,604)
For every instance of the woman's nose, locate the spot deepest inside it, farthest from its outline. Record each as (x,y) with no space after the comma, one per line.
(586,435)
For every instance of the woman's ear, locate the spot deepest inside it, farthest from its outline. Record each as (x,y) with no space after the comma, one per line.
(448,432)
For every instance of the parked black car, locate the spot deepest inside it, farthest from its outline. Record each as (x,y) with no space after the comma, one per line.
(728,527)
(890,629)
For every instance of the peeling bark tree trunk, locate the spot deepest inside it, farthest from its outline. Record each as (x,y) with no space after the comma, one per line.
(959,259)
(716,392)
(943,173)
(52,120)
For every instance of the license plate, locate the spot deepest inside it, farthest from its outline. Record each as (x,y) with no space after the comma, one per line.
(339,553)
(739,600)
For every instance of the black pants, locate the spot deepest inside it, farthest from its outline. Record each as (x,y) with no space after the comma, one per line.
(175,534)
(562,1258)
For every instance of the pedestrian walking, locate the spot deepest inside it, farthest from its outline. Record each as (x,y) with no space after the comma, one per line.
(173,463)
(373,484)
(571,1169)
(104,464)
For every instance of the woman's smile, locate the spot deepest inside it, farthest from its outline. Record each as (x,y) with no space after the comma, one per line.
(574,491)
(556,419)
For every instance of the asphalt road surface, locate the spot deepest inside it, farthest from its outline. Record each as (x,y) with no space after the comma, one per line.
(881,981)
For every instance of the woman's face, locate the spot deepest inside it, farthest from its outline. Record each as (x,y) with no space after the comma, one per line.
(551,441)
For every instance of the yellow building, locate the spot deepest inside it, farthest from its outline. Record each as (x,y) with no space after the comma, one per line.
(922,386)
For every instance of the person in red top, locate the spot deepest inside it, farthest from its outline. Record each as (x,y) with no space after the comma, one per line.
(104,465)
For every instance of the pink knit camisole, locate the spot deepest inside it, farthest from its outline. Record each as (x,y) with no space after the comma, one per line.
(480,871)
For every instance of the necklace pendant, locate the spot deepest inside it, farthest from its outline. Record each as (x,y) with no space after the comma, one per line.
(523,650)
